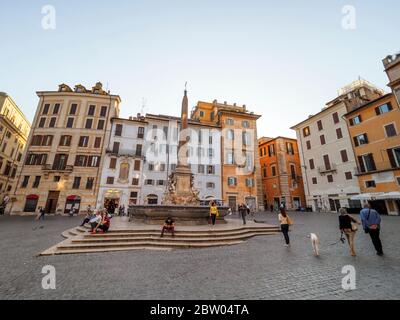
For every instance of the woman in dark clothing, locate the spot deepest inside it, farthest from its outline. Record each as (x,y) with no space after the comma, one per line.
(348,227)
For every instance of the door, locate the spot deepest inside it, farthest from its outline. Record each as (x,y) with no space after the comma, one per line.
(232,203)
(380,206)
(337,205)
(277,203)
(52,201)
(251,202)
(296,203)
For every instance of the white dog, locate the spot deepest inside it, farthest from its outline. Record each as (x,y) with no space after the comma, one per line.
(314,243)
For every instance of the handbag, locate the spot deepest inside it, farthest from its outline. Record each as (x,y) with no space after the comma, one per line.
(289,221)
(354,227)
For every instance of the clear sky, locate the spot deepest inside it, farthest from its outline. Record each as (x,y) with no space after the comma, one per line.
(283,59)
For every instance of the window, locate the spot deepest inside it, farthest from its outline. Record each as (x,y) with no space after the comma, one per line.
(200,168)
(335,117)
(65,141)
(327,162)
(135,181)
(137,166)
(25,182)
(92,110)
(322,139)
(210,140)
(100,125)
(390,130)
(115,149)
(211,169)
(110,180)
(273,170)
(149,182)
(151,167)
(232,181)
(271,150)
(36,182)
(118,130)
(230,135)
(343,154)
(370,184)
(289,148)
(329,178)
(52,123)
(308,144)
(160,182)
(348,175)
(56,108)
(83,141)
(138,152)
(319,125)
(113,163)
(229,158)
(210,185)
(312,164)
(77,183)
(210,152)
(103,111)
(89,183)
(46,108)
(42,122)
(47,141)
(70,122)
(249,182)
(229,122)
(314,180)
(366,163)
(264,172)
(31,203)
(37,140)
(339,133)
(60,161)
(394,157)
(134,194)
(356,120)
(306,131)
(246,137)
(97,142)
(81,161)
(140,134)
(161,167)
(293,171)
(73,108)
(360,139)
(245,124)
(89,123)
(94,161)
(383,108)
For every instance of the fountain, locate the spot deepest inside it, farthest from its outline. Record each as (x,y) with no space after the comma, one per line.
(181,199)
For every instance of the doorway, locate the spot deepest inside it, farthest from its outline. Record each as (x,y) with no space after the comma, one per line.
(232,203)
(52,201)
(380,206)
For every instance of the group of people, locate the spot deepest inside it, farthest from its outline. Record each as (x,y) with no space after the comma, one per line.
(99,221)
(348,226)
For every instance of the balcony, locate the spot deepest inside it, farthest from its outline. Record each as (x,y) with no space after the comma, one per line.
(51,168)
(125,153)
(324,170)
(383,166)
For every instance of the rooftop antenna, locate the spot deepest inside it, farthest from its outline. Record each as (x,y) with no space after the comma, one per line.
(144,102)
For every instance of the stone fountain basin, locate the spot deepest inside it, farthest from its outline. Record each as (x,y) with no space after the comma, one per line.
(183,215)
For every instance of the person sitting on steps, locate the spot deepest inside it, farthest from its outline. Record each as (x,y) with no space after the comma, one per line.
(169,226)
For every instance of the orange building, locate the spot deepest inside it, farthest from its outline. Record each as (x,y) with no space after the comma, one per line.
(374,128)
(281,173)
(241,176)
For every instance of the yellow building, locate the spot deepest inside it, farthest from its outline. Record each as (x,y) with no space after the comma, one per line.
(64,157)
(241,176)
(14,131)
(374,128)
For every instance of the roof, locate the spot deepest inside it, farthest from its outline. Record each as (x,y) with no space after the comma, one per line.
(273,139)
(178,119)
(367,104)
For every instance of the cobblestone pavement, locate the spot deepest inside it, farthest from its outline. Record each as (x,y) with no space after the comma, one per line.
(261,268)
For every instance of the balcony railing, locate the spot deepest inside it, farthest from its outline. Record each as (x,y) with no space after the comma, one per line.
(50,167)
(379,167)
(125,153)
(325,170)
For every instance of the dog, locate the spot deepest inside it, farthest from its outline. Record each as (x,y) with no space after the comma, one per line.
(315,243)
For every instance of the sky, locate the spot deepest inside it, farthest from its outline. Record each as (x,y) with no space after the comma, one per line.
(283,59)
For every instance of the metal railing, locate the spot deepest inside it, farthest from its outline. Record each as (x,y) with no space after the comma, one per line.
(50,167)
(324,169)
(378,167)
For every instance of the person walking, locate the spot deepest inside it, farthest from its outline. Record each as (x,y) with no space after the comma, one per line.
(213,213)
(371,221)
(41,214)
(271,207)
(285,222)
(243,212)
(348,226)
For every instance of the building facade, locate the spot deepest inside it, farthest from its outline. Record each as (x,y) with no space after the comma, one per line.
(241,176)
(326,152)
(281,173)
(374,129)
(392,69)
(14,131)
(66,148)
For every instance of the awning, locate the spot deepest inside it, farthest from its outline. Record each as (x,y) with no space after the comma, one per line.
(32,197)
(73,198)
(377,196)
(389,195)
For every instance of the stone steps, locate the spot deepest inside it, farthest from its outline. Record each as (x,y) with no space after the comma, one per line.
(79,240)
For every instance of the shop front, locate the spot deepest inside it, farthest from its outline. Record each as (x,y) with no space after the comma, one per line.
(72,201)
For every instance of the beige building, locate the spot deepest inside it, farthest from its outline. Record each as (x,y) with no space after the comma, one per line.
(14,131)
(64,157)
